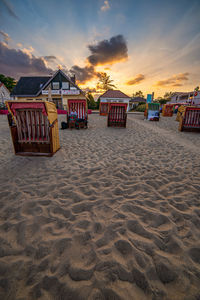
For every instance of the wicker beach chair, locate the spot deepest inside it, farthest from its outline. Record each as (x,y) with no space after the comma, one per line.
(117,115)
(190,119)
(81,120)
(152,111)
(103,108)
(34,127)
(167,110)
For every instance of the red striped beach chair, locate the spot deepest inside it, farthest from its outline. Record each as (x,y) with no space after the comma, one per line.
(33,127)
(190,119)
(117,115)
(80,106)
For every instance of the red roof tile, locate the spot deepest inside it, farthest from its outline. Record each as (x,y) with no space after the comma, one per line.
(114,94)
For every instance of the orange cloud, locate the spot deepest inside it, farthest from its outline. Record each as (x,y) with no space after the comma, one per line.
(175,80)
(136,80)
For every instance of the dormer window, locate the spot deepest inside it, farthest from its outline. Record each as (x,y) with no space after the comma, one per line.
(65,85)
(56,85)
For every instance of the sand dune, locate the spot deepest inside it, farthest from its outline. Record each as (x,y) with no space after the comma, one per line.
(115,214)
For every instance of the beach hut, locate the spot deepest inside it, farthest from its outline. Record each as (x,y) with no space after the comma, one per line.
(112,96)
(80,120)
(190,119)
(152,111)
(117,115)
(33,127)
(167,110)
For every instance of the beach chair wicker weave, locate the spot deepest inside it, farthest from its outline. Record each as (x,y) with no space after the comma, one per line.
(34,127)
(117,115)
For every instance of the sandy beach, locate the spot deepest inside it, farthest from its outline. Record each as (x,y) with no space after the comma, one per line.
(114,214)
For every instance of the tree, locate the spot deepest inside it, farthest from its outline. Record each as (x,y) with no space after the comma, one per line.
(90,101)
(168,95)
(138,94)
(105,83)
(9,82)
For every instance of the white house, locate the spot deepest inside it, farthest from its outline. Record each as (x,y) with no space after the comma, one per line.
(112,96)
(4,93)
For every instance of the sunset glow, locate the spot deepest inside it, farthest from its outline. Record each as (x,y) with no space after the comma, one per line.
(147,45)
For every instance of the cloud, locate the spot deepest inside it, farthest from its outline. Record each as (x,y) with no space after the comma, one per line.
(28,50)
(83,74)
(175,80)
(50,58)
(19,45)
(136,80)
(105,6)
(104,52)
(17,63)
(108,51)
(10,9)
(5,36)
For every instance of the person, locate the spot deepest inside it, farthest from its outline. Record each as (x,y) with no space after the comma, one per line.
(73,113)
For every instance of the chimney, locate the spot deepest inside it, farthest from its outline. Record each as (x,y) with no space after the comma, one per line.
(73,79)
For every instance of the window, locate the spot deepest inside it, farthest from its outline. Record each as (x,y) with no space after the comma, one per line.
(56,85)
(65,85)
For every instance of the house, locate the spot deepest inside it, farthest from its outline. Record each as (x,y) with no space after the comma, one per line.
(58,88)
(112,96)
(135,101)
(181,97)
(4,94)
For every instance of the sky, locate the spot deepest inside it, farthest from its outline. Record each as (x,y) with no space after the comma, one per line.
(147,45)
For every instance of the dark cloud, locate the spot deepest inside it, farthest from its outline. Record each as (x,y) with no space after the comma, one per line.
(10,9)
(17,63)
(136,80)
(108,51)
(83,74)
(175,80)
(50,58)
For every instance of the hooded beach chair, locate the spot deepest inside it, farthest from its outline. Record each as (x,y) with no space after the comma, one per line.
(117,115)
(103,108)
(152,111)
(167,110)
(81,118)
(33,127)
(190,119)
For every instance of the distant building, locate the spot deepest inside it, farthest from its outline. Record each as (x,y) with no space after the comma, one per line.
(136,101)
(112,96)
(58,88)
(4,93)
(180,97)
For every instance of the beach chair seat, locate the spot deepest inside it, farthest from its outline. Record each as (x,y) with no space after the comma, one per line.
(117,115)
(190,119)
(34,127)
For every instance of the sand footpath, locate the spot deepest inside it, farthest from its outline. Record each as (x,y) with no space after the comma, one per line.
(115,214)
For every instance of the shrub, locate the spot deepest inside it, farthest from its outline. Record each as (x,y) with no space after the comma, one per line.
(141,107)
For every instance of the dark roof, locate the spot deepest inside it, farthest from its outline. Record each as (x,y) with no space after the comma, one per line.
(33,86)
(138,99)
(114,94)
(29,86)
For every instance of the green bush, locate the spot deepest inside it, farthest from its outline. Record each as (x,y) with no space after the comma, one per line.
(141,107)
